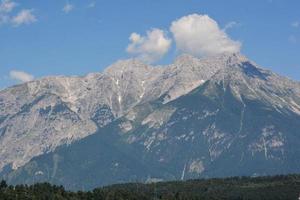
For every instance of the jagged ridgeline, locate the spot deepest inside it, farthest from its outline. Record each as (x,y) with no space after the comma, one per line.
(214,117)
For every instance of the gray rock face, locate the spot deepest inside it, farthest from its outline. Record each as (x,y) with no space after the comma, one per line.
(192,115)
(29,127)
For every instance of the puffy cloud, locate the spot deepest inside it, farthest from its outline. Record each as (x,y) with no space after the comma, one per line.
(200,36)
(7,6)
(24,17)
(151,47)
(68,8)
(20,76)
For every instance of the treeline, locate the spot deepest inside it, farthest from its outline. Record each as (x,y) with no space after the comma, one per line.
(237,188)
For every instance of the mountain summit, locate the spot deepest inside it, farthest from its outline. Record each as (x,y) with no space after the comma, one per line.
(209,117)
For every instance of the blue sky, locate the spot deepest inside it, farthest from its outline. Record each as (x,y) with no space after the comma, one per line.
(76,37)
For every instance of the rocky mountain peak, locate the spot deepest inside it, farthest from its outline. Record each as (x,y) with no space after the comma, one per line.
(222,59)
(129,65)
(231,58)
(53,111)
(185,59)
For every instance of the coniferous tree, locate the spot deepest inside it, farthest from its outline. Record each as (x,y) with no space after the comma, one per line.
(3,184)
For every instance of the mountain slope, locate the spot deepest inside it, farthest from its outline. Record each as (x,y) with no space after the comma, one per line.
(221,116)
(96,100)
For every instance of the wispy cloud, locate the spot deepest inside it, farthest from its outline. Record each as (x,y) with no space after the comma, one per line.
(295,24)
(20,76)
(68,8)
(230,25)
(92,5)
(151,47)
(292,39)
(4,19)
(24,17)
(7,6)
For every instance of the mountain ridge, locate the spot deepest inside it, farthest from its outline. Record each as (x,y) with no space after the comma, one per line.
(204,107)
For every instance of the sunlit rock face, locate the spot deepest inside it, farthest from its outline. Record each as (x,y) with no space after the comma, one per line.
(218,116)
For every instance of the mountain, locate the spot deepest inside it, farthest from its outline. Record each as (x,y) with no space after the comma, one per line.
(212,117)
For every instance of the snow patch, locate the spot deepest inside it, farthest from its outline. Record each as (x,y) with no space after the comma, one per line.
(196,166)
(183,172)
(295,107)
(39,173)
(143,91)
(125,126)
(269,143)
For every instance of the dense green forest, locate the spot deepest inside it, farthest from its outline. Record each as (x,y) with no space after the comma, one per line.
(237,188)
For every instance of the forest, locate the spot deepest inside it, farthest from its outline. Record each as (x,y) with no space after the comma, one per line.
(281,187)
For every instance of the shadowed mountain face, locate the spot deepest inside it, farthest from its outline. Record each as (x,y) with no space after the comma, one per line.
(214,117)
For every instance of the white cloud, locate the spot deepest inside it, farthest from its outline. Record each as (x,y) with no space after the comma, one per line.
(295,24)
(20,76)
(151,47)
(68,7)
(7,6)
(200,36)
(23,17)
(230,25)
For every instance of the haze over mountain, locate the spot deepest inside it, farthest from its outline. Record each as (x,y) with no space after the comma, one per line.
(212,117)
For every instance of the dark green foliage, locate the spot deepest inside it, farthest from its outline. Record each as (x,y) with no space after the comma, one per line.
(3,184)
(236,188)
